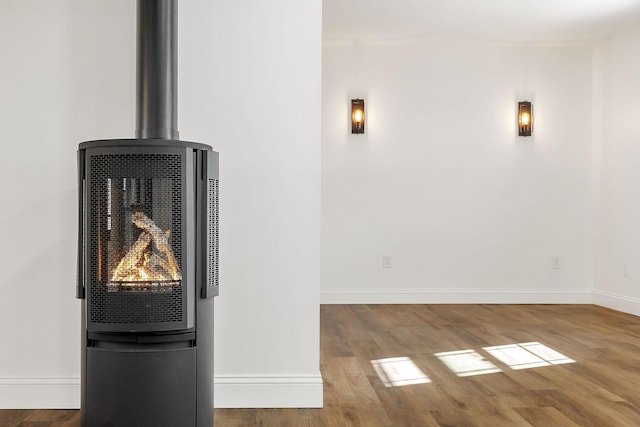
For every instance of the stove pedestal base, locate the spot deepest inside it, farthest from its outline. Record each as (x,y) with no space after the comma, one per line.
(137,386)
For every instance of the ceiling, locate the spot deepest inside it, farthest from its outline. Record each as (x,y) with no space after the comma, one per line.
(509,21)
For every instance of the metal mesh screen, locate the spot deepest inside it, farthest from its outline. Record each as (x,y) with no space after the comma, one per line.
(125,188)
(213,234)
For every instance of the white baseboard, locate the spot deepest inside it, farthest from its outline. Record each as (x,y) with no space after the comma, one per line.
(268,392)
(462,296)
(617,302)
(39,393)
(229,392)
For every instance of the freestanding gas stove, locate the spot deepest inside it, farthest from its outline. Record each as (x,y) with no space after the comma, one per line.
(148,256)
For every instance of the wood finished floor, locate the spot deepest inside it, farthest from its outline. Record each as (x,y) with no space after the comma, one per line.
(602,387)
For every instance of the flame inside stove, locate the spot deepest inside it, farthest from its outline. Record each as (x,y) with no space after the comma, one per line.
(149,264)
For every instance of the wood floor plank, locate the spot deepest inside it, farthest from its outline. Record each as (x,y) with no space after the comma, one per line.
(545,417)
(11,417)
(599,389)
(402,406)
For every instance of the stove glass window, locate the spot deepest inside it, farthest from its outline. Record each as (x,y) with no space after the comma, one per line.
(135,228)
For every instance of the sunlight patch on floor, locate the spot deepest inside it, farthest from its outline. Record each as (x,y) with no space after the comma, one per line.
(465,363)
(527,355)
(399,371)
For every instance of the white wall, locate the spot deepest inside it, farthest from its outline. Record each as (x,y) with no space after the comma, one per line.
(249,76)
(65,77)
(468,211)
(250,85)
(617,171)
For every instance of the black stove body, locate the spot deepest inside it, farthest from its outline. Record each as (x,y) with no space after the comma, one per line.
(148,248)
(148,256)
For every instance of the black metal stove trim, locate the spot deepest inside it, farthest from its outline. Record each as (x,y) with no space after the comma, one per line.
(137,142)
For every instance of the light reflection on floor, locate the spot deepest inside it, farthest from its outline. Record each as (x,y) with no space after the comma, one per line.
(527,355)
(465,363)
(399,371)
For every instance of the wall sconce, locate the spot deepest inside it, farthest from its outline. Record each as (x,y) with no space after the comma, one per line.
(357,116)
(525,118)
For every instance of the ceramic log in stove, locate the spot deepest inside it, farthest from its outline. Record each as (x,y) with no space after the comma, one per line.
(148,255)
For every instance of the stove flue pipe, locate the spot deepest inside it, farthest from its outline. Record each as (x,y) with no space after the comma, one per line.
(157,72)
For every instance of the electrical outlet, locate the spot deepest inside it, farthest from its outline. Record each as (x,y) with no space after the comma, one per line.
(386,261)
(555,262)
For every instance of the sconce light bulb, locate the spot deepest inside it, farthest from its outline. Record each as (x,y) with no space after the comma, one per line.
(358,116)
(525,119)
